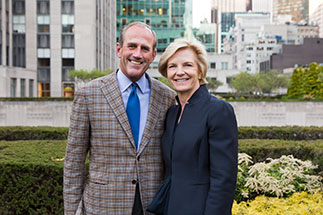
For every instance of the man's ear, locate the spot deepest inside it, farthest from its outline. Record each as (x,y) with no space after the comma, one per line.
(154,55)
(118,50)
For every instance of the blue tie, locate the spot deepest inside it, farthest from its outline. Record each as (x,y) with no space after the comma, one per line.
(133,112)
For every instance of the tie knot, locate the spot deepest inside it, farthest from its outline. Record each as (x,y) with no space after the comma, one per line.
(134,85)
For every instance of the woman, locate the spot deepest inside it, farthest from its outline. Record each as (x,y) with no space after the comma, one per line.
(200,139)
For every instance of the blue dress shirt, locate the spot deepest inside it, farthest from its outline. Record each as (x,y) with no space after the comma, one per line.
(143,92)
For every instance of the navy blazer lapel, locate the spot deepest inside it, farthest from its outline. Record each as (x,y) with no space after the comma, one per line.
(111,92)
(155,105)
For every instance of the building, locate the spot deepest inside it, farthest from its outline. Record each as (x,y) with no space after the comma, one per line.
(307,31)
(296,55)
(206,35)
(246,32)
(168,18)
(52,37)
(299,9)
(317,18)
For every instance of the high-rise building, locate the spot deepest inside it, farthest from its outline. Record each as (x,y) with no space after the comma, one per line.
(299,9)
(168,18)
(52,37)
(317,18)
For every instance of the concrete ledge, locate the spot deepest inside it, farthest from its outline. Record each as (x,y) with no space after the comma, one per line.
(56,113)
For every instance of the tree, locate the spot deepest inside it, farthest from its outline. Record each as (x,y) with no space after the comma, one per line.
(82,76)
(307,82)
(165,81)
(212,83)
(259,83)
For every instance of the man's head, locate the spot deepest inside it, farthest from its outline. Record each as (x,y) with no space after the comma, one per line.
(136,49)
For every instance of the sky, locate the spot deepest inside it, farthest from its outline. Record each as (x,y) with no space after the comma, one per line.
(202,9)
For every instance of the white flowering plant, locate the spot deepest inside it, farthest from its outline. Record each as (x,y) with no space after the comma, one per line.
(275,177)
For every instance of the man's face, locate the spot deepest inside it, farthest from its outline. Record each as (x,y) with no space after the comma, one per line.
(137,52)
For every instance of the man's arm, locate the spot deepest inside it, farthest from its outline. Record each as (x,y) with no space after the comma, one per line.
(76,152)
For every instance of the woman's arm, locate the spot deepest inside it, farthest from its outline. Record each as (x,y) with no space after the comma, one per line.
(223,154)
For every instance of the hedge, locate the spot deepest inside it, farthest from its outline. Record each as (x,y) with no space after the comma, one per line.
(273,132)
(33,133)
(284,133)
(31,172)
(31,181)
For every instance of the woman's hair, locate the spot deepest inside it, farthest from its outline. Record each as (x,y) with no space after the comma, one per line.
(182,43)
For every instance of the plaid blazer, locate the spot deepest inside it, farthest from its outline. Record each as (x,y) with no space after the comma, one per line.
(99,127)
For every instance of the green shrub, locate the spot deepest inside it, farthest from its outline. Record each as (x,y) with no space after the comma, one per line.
(284,133)
(272,132)
(33,133)
(260,150)
(31,180)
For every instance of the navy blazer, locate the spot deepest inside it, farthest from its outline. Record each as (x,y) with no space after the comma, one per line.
(203,160)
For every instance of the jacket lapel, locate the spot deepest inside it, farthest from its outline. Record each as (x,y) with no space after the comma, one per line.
(155,104)
(111,92)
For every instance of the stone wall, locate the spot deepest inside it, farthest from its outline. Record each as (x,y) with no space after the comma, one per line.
(56,113)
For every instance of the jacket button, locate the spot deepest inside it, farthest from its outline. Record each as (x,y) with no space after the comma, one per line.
(134,182)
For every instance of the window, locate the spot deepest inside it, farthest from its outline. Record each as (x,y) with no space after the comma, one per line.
(18,50)
(67,19)
(18,7)
(43,62)
(43,53)
(42,7)
(67,28)
(68,53)
(22,87)
(13,84)
(31,88)
(43,41)
(213,65)
(43,75)
(269,48)
(43,28)
(44,89)
(67,7)
(224,65)
(248,61)
(43,20)
(67,41)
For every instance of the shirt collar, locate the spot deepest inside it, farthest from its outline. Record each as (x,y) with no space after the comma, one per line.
(124,82)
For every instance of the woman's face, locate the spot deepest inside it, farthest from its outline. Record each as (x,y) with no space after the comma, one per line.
(183,73)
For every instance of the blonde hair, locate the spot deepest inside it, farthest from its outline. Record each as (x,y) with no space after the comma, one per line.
(182,43)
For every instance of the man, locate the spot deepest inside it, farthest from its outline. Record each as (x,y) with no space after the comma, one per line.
(126,166)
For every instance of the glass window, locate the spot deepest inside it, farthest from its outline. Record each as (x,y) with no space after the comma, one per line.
(67,19)
(43,75)
(43,41)
(31,88)
(213,65)
(43,29)
(43,62)
(67,41)
(42,7)
(43,53)
(18,7)
(67,7)
(68,53)
(13,84)
(43,20)
(22,87)
(68,28)
(224,65)
(44,89)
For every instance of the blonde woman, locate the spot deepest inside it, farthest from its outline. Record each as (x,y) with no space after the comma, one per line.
(200,143)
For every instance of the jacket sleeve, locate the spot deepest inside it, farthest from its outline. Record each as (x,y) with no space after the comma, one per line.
(223,155)
(76,152)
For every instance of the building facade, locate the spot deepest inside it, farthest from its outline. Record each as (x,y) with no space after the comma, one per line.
(53,37)
(297,55)
(317,19)
(299,9)
(168,18)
